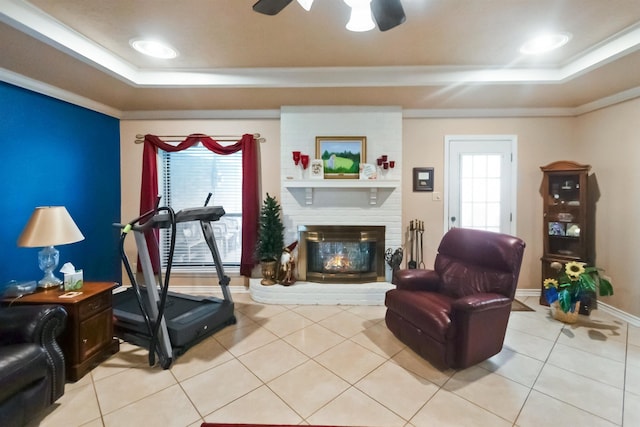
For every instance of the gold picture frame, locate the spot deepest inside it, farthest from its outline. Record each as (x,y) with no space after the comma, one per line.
(341,155)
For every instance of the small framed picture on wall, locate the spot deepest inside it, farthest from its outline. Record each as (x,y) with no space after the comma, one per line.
(316,169)
(422,179)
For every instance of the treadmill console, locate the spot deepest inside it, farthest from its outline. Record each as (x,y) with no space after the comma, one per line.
(204,213)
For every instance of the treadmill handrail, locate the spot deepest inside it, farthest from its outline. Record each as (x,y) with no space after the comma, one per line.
(162,220)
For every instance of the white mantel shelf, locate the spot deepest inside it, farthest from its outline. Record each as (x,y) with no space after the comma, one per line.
(370,185)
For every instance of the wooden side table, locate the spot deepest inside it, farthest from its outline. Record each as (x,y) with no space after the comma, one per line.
(88,336)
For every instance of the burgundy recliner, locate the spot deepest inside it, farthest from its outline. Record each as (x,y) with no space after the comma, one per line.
(456,314)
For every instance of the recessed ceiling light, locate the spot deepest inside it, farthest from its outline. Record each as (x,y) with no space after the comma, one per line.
(545,43)
(153,48)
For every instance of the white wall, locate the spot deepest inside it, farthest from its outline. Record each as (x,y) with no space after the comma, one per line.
(608,140)
(605,139)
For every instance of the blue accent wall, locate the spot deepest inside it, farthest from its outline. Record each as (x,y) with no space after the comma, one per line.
(55,153)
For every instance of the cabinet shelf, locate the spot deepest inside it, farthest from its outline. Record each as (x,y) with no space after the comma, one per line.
(574,238)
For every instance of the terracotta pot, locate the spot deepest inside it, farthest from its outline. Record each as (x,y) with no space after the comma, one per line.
(568,317)
(268,272)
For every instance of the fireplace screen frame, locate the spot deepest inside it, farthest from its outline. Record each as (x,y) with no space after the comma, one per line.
(353,233)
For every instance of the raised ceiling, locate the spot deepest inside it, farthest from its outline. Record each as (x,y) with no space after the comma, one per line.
(450,55)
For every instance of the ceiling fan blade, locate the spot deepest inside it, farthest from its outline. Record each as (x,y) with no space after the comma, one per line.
(270,7)
(387,13)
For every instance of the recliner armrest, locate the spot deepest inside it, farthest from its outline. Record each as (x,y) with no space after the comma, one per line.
(417,280)
(39,324)
(31,323)
(480,302)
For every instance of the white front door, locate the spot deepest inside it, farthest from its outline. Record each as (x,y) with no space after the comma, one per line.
(480,183)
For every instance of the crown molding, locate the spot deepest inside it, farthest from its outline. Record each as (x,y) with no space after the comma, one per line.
(64,95)
(607,101)
(487,113)
(57,93)
(201,115)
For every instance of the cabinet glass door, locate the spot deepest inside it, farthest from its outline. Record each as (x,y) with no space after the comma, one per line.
(563,215)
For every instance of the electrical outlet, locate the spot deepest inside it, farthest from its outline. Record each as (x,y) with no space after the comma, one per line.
(436,196)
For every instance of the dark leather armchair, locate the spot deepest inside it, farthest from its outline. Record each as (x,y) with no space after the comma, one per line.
(456,314)
(32,374)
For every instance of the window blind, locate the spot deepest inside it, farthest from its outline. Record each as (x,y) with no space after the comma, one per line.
(186,178)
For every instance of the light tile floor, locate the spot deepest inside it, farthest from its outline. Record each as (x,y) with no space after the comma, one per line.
(339,365)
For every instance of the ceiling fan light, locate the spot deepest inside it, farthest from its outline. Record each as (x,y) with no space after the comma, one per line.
(360,19)
(306,4)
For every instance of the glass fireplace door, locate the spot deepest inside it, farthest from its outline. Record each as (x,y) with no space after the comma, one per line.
(349,254)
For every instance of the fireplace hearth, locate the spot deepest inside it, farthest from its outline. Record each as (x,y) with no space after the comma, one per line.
(341,254)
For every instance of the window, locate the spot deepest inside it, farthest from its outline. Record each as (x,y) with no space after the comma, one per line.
(186,179)
(480,191)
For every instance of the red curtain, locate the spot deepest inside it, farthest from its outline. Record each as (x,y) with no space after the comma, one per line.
(250,192)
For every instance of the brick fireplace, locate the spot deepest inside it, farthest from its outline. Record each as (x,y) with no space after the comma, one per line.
(339,202)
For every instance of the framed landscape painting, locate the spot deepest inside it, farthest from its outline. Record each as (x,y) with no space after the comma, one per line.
(341,155)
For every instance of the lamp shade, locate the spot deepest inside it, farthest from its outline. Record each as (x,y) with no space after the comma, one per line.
(49,226)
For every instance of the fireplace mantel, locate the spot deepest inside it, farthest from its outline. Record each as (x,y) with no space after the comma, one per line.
(309,186)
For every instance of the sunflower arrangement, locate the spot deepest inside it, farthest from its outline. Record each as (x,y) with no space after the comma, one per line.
(573,282)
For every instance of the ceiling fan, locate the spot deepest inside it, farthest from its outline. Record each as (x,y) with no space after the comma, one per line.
(387,13)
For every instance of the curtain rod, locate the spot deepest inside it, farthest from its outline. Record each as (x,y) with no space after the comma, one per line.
(223,138)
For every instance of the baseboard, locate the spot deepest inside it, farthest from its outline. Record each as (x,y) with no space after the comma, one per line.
(622,315)
(527,293)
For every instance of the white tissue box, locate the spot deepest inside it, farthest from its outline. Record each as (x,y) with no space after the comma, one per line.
(73,281)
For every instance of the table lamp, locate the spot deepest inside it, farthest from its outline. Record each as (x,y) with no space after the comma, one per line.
(49,226)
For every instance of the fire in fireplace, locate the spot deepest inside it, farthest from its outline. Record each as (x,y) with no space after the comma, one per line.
(341,254)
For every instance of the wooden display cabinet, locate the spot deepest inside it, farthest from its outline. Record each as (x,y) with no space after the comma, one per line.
(88,335)
(567,233)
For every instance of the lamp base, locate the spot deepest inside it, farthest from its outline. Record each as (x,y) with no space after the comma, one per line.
(48,261)
(49,281)
(47,285)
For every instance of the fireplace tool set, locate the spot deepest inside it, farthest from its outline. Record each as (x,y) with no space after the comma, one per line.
(416,228)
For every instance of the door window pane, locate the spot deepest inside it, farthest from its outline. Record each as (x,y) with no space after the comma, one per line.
(480,191)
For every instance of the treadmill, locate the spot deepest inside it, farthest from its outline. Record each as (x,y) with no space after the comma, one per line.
(169,323)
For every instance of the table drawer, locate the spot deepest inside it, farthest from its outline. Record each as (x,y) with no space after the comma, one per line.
(94,305)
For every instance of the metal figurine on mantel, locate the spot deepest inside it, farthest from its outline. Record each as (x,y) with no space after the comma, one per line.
(394,259)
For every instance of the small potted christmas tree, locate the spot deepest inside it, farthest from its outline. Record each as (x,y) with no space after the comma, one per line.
(270,239)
